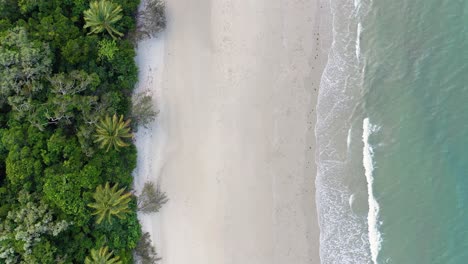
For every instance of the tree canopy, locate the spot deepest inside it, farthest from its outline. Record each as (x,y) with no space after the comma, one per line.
(24,63)
(67,73)
(25,228)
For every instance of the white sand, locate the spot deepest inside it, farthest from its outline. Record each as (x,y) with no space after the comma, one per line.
(233,146)
(150,142)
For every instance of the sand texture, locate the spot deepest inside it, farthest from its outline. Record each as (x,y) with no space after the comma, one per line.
(233,146)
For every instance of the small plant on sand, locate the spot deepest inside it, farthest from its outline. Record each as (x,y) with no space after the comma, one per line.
(144,252)
(151,20)
(142,110)
(151,199)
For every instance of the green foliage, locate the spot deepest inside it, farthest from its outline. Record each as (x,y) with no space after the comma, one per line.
(27,5)
(110,202)
(23,64)
(73,83)
(120,234)
(54,90)
(55,29)
(151,199)
(123,70)
(80,50)
(67,181)
(65,103)
(115,166)
(23,163)
(101,16)
(110,132)
(107,49)
(102,256)
(9,9)
(26,228)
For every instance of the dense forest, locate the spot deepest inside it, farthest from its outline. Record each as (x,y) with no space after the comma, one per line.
(67,72)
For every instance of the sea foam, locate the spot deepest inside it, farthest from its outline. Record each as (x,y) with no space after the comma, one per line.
(358,40)
(343,232)
(357,3)
(375,239)
(348,139)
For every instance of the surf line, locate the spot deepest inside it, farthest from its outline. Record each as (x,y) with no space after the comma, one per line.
(375,239)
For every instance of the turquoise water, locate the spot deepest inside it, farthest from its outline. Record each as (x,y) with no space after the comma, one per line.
(393,133)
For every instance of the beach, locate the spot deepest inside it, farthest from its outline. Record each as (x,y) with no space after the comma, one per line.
(233,146)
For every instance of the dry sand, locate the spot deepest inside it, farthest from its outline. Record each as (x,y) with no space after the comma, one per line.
(233,146)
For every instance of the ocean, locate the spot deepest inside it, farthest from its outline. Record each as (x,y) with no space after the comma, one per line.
(392,133)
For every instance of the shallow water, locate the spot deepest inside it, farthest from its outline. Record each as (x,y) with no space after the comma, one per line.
(400,65)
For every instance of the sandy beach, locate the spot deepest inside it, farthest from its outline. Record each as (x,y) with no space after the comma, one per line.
(233,147)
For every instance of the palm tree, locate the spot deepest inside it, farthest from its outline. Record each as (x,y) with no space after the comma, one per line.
(112,131)
(110,202)
(101,16)
(102,256)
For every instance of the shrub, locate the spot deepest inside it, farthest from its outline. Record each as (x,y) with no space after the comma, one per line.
(151,20)
(151,199)
(145,253)
(143,112)
(107,49)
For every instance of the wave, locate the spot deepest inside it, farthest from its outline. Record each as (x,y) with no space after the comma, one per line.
(358,40)
(357,3)
(375,238)
(343,231)
(348,139)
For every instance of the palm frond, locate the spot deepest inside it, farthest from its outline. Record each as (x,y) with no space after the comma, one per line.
(110,133)
(101,16)
(110,202)
(102,256)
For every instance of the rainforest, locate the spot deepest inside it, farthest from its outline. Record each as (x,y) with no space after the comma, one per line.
(67,73)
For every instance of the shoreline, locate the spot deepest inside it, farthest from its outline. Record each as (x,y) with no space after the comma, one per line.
(337,133)
(150,142)
(239,164)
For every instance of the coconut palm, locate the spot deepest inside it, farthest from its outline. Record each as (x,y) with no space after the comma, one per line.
(110,202)
(102,256)
(110,132)
(101,16)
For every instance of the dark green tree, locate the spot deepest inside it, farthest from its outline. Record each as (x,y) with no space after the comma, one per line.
(27,5)
(24,163)
(67,178)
